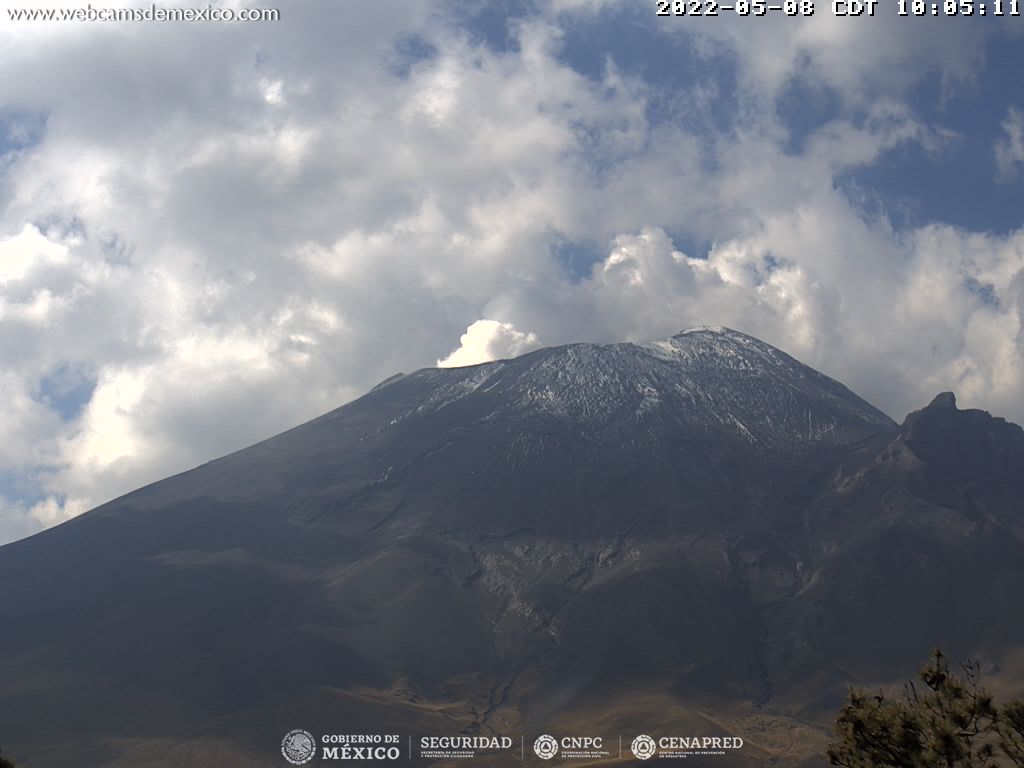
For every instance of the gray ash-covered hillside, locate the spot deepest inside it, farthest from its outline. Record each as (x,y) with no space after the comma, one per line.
(699,534)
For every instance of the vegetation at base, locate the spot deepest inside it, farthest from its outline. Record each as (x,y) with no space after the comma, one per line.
(950,721)
(4,762)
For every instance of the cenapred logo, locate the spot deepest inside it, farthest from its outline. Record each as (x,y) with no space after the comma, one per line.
(545,747)
(643,747)
(298,746)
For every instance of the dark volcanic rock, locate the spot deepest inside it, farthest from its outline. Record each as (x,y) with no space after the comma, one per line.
(698,531)
(969,453)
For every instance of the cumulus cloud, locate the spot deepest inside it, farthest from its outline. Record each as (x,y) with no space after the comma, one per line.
(487,340)
(896,318)
(248,225)
(25,251)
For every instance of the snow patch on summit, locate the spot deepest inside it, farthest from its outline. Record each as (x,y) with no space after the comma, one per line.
(704,380)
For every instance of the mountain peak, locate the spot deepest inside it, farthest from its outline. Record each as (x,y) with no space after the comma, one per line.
(721,332)
(944,401)
(719,329)
(702,380)
(966,453)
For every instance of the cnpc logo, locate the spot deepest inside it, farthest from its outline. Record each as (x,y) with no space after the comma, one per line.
(546,746)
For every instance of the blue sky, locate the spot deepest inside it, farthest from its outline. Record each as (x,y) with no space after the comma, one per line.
(212,232)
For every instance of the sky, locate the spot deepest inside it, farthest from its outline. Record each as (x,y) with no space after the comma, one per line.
(213,231)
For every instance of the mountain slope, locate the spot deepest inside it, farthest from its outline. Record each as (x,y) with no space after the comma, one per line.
(695,530)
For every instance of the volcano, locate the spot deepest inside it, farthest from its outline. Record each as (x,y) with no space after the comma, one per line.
(694,536)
